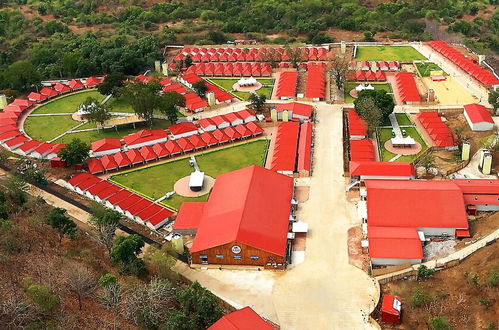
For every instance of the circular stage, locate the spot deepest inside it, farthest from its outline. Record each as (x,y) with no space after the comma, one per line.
(252,88)
(77,117)
(403,151)
(181,187)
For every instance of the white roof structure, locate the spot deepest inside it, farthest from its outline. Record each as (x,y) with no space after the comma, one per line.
(300,227)
(407,141)
(364,87)
(247,81)
(196,179)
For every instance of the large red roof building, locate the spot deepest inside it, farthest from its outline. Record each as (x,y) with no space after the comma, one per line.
(243,319)
(478,117)
(245,222)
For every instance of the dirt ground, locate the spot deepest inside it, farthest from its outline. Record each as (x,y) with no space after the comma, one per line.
(449,92)
(356,256)
(453,296)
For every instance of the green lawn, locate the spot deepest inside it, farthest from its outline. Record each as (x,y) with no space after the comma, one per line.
(351,85)
(425,68)
(403,120)
(68,103)
(91,136)
(227,83)
(388,53)
(48,127)
(386,133)
(157,180)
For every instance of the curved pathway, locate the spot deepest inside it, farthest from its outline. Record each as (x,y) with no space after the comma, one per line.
(325,291)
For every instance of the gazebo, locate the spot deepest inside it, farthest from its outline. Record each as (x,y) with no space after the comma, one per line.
(403,142)
(364,87)
(244,82)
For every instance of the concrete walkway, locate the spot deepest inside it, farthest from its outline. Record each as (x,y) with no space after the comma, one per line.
(395,125)
(325,291)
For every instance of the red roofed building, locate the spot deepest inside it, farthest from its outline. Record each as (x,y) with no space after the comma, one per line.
(16,142)
(49,92)
(305,150)
(478,117)
(197,142)
(286,85)
(362,150)
(145,137)
(135,157)
(285,148)
(371,170)
(480,194)
(173,147)
(36,97)
(23,103)
(92,82)
(394,246)
(233,118)
(209,139)
(189,215)
(220,121)
(159,219)
(316,83)
(42,150)
(109,163)
(106,147)
(295,110)
(160,150)
(207,124)
(29,146)
(148,153)
(245,221)
(357,126)
(407,87)
(62,88)
(76,84)
(247,115)
(436,208)
(220,136)
(121,159)
(184,129)
(391,309)
(95,166)
(243,319)
(195,103)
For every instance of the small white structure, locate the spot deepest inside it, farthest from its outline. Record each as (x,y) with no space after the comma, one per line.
(85,109)
(403,141)
(246,82)
(196,180)
(364,87)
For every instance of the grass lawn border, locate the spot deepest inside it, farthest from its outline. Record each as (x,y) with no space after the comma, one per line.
(61,97)
(233,145)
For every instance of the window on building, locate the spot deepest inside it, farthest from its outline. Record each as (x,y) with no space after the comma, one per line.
(255,257)
(238,257)
(220,256)
(203,255)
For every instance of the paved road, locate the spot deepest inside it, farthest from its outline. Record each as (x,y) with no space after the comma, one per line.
(325,291)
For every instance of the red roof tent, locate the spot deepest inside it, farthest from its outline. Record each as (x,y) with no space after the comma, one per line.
(106,144)
(316,82)
(232,133)
(356,125)
(100,187)
(182,128)
(394,243)
(166,81)
(371,168)
(175,88)
(76,84)
(108,162)
(189,215)
(245,114)
(49,92)
(92,81)
(250,206)
(185,144)
(160,150)
(77,179)
(150,211)
(286,145)
(108,192)
(87,184)
(408,89)
(391,309)
(196,141)
(209,139)
(191,78)
(95,166)
(145,135)
(16,142)
(62,88)
(206,122)
(194,102)
(172,147)
(220,136)
(148,153)
(134,156)
(128,202)
(255,128)
(142,204)
(299,109)
(418,204)
(30,146)
(36,97)
(305,147)
(360,76)
(159,217)
(44,149)
(243,319)
(478,113)
(361,150)
(243,130)
(121,159)
(8,135)
(14,108)
(286,87)
(23,103)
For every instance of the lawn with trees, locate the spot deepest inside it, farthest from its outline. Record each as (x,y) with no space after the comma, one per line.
(227,83)
(388,53)
(377,86)
(156,180)
(425,68)
(68,103)
(385,134)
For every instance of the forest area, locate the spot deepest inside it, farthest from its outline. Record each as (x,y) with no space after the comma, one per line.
(61,38)
(60,275)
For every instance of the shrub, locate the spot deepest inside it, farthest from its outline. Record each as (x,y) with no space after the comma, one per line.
(493,279)
(484,302)
(421,297)
(43,296)
(424,272)
(491,326)
(439,323)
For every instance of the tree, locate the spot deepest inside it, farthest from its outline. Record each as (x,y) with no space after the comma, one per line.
(338,72)
(494,100)
(125,253)
(95,111)
(21,75)
(113,289)
(383,101)
(439,323)
(177,320)
(58,220)
(43,296)
(143,97)
(106,222)
(75,152)
(114,81)
(427,162)
(295,54)
(369,36)
(81,282)
(188,61)
(169,104)
(17,187)
(200,305)
(200,88)
(160,261)
(424,272)
(257,101)
(370,112)
(421,297)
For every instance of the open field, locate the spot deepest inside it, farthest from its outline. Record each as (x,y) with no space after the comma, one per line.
(450,92)
(90,136)
(388,53)
(48,127)
(425,68)
(385,134)
(377,86)
(158,179)
(227,83)
(68,103)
